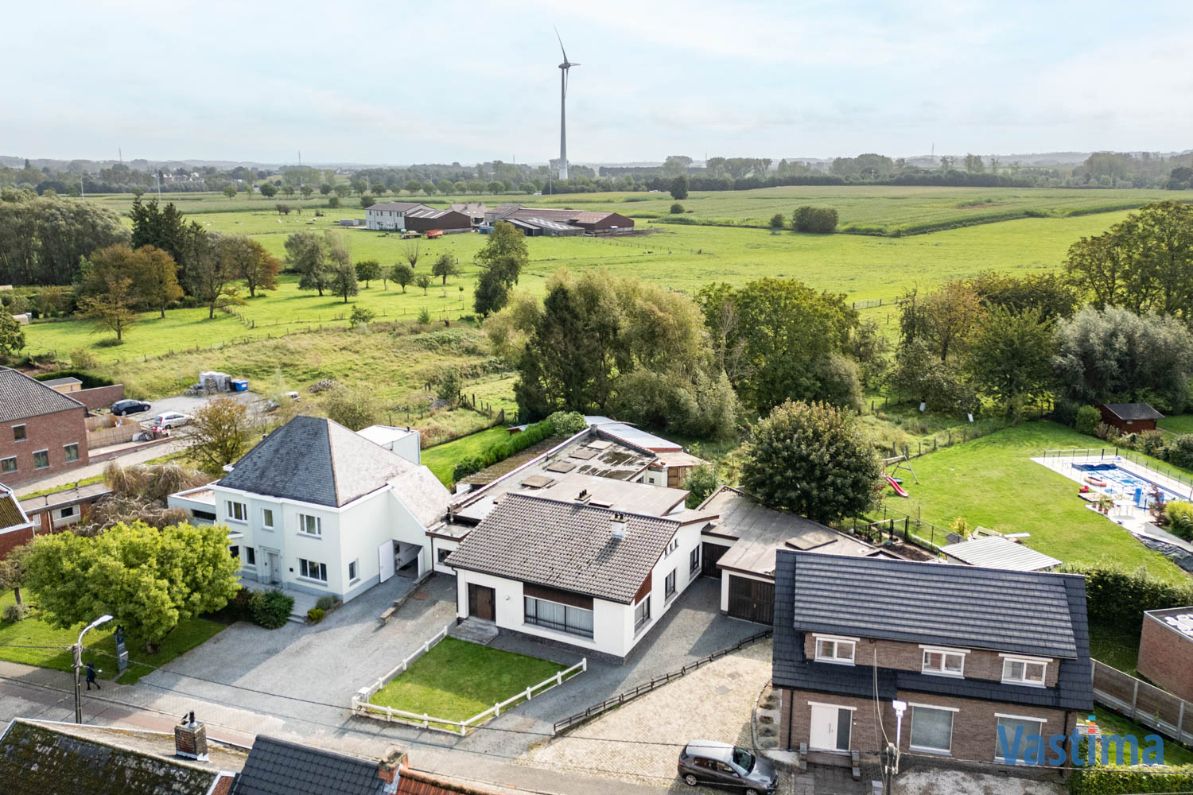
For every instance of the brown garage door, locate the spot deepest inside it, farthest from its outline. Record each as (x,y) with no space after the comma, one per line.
(752,600)
(709,555)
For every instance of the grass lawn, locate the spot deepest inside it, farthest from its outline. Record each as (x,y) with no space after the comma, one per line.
(1113,723)
(442,459)
(34,642)
(1182,423)
(457,679)
(1115,646)
(992,482)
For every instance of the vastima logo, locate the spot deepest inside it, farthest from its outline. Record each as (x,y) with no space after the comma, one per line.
(1087,746)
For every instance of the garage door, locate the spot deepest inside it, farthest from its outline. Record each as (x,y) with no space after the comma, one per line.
(709,555)
(752,600)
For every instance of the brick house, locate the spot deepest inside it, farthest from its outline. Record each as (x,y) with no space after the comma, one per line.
(16,527)
(42,431)
(967,653)
(1166,650)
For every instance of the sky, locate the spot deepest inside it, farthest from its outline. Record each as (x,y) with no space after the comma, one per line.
(405,82)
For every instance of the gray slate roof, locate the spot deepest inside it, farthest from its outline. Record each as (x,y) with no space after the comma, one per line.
(565,545)
(277,767)
(871,592)
(36,760)
(22,396)
(315,460)
(1133,411)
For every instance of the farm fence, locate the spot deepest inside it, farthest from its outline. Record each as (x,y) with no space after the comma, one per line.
(1143,703)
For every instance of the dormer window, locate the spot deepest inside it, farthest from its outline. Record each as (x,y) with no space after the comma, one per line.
(943,662)
(838,651)
(1030,671)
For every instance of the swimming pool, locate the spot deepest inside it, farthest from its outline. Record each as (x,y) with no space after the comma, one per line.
(1121,481)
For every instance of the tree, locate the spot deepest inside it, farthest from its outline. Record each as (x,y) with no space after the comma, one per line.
(1047,293)
(679,188)
(221,432)
(162,227)
(343,279)
(306,253)
(501,261)
(325,188)
(152,271)
(149,580)
(213,266)
(700,483)
(1010,358)
(306,191)
(777,222)
(249,260)
(352,408)
(12,572)
(920,376)
(412,253)
(112,308)
(367,201)
(676,208)
(943,319)
(401,274)
(368,270)
(42,239)
(445,266)
(361,316)
(811,459)
(12,338)
(423,281)
(816,220)
(230,191)
(268,190)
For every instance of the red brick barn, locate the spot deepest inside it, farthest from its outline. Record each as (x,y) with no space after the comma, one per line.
(42,432)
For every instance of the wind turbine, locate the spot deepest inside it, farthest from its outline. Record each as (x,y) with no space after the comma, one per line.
(563,110)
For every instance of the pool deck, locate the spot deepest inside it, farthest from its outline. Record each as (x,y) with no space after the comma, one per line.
(1135,520)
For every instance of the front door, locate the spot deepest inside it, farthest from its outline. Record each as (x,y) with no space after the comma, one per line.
(482,602)
(275,569)
(830,728)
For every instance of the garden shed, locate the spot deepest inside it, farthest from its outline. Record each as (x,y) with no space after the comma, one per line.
(1130,417)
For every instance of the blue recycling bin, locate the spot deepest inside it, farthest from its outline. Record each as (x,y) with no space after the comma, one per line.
(240,385)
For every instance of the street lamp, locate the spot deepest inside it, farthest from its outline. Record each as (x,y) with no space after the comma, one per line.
(79,664)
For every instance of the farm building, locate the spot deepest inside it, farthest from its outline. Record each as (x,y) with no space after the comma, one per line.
(1130,417)
(391,216)
(424,219)
(559,221)
(1166,650)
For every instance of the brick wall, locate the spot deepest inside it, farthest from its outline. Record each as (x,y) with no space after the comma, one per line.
(100,397)
(49,432)
(979,663)
(975,732)
(13,539)
(1166,657)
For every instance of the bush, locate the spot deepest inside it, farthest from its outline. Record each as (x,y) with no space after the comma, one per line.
(271,609)
(424,316)
(1153,443)
(326,603)
(466,467)
(1107,432)
(676,208)
(1180,519)
(777,221)
(240,606)
(1122,780)
(818,220)
(1118,598)
(15,612)
(1180,451)
(315,614)
(567,423)
(1086,420)
(1064,412)
(700,483)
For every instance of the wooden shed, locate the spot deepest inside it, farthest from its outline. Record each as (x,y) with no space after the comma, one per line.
(1130,417)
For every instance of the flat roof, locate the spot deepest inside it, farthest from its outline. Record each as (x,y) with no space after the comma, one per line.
(385,434)
(67,496)
(996,552)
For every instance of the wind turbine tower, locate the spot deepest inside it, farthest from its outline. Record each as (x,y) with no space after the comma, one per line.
(563,109)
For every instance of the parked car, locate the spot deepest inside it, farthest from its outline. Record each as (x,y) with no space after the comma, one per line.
(122,407)
(170,419)
(726,766)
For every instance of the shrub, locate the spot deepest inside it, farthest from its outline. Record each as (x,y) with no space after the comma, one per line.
(1087,420)
(700,483)
(676,208)
(15,612)
(818,220)
(315,614)
(777,221)
(424,316)
(271,609)
(1110,780)
(1180,451)
(1118,598)
(567,423)
(1153,443)
(83,359)
(1180,519)
(326,603)
(466,467)
(1064,412)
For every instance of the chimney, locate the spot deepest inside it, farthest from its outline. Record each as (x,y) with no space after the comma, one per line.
(583,496)
(389,771)
(190,739)
(618,526)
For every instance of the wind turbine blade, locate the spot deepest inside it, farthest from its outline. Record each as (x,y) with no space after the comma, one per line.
(561,49)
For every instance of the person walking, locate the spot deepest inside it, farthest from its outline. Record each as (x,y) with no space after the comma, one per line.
(91,676)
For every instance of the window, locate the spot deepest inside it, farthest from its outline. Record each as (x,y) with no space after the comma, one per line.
(441,554)
(1024,671)
(642,613)
(311,570)
(67,512)
(19,433)
(669,585)
(835,650)
(931,729)
(237,511)
(944,662)
(309,525)
(353,569)
(71,452)
(674,545)
(267,518)
(235,550)
(250,556)
(1015,735)
(8,464)
(41,459)
(553,615)
(694,560)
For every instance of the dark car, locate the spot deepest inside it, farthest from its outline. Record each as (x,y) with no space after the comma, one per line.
(122,407)
(726,766)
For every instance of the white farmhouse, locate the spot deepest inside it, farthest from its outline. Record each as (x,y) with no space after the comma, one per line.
(391,216)
(317,508)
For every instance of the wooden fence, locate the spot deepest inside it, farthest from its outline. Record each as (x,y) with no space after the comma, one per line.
(1143,703)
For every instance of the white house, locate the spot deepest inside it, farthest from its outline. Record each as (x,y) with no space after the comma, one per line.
(317,508)
(391,216)
(587,575)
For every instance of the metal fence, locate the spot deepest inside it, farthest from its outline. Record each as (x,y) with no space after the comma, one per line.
(1109,454)
(629,695)
(1143,703)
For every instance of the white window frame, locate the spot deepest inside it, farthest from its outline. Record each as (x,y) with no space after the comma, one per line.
(944,653)
(671,547)
(694,560)
(1010,659)
(354,571)
(248,556)
(267,525)
(641,622)
(911,729)
(836,640)
(231,506)
(671,585)
(302,525)
(1003,761)
(304,569)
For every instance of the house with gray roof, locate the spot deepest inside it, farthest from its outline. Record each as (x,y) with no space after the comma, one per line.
(318,508)
(952,661)
(576,570)
(42,431)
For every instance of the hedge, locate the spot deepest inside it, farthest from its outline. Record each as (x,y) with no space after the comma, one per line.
(1126,780)
(1118,598)
(90,381)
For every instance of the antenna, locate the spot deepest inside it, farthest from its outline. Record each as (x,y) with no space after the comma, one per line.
(564,68)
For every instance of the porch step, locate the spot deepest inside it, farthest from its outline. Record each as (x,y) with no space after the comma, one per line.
(474,631)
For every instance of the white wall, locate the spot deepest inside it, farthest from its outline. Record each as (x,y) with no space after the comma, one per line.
(442,544)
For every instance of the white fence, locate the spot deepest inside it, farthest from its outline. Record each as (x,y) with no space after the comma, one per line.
(361,701)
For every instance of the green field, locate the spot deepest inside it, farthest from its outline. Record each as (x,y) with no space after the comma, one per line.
(992,482)
(442,459)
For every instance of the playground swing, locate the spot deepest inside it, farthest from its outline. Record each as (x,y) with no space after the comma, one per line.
(898,464)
